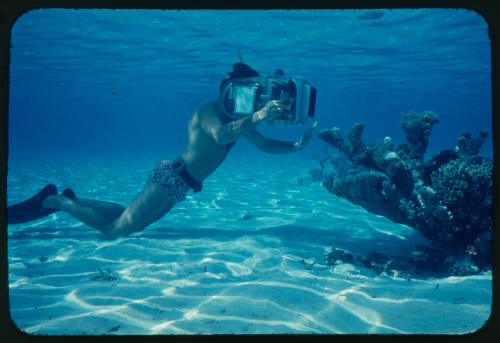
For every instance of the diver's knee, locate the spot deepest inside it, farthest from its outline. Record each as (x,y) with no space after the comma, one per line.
(123,229)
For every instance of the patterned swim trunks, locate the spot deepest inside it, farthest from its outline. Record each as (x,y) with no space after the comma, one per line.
(164,174)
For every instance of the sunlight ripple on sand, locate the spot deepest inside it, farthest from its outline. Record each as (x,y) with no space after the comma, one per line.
(246,255)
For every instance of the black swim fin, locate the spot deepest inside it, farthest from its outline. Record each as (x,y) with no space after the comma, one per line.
(68,193)
(32,209)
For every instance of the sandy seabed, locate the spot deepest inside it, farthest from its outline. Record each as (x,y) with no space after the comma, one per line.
(245,255)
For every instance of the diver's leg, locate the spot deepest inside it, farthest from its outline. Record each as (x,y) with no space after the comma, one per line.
(113,219)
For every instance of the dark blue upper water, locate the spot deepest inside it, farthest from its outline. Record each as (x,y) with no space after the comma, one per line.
(123,81)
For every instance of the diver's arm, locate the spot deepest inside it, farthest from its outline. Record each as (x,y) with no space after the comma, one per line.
(227,133)
(278,147)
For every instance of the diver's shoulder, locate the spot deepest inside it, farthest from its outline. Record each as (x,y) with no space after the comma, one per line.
(208,108)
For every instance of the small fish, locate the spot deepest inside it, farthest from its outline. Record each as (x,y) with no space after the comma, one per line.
(247,216)
(372,15)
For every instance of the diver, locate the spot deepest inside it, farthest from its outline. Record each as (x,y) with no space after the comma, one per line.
(245,101)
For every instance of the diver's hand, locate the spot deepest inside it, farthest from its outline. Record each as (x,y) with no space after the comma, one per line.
(306,137)
(272,110)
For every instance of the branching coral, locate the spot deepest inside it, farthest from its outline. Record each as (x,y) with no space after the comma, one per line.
(448,198)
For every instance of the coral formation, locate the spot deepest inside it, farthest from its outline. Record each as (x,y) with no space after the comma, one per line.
(448,198)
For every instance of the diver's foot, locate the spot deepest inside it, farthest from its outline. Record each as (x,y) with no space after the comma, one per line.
(52,201)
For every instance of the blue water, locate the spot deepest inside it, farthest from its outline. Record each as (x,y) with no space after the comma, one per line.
(116,80)
(97,97)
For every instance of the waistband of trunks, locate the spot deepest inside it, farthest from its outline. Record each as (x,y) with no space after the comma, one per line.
(179,166)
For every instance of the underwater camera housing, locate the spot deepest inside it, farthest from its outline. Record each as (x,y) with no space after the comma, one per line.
(242,97)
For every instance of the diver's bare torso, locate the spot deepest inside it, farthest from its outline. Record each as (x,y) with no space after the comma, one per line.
(203,154)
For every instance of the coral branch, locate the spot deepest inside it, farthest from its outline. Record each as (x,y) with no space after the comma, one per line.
(418,127)
(468,146)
